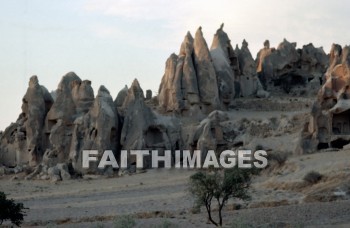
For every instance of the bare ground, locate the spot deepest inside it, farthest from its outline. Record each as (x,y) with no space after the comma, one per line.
(160,197)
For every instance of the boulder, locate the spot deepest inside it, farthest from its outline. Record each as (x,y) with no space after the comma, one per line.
(63,171)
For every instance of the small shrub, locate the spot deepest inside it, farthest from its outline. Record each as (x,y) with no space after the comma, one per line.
(125,221)
(312,177)
(279,157)
(9,210)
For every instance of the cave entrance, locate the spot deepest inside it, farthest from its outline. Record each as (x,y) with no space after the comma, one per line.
(339,143)
(322,146)
(297,80)
(341,123)
(154,136)
(289,80)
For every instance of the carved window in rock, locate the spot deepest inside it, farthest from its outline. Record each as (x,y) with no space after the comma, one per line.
(341,123)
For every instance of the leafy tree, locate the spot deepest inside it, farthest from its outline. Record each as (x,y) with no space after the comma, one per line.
(9,210)
(220,185)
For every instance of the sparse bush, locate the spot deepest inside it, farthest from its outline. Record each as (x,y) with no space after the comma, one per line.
(312,177)
(9,210)
(279,157)
(219,185)
(124,221)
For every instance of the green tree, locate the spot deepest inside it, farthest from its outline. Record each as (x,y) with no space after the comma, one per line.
(220,185)
(9,210)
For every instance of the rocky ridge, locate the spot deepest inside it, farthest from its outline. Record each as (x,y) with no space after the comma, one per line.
(192,110)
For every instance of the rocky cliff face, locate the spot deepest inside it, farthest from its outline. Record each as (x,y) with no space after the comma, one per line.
(198,81)
(288,66)
(189,85)
(144,129)
(225,62)
(74,99)
(329,125)
(96,130)
(22,141)
(198,86)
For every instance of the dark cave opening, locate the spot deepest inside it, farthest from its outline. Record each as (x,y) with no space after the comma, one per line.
(339,143)
(321,146)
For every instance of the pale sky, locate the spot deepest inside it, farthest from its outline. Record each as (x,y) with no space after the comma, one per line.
(111,42)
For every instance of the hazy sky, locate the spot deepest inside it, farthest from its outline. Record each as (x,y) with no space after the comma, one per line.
(111,42)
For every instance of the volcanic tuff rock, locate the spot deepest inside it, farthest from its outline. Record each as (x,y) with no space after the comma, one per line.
(119,100)
(225,63)
(144,129)
(209,133)
(96,130)
(199,81)
(178,90)
(198,86)
(205,73)
(22,141)
(74,99)
(329,125)
(288,66)
(250,84)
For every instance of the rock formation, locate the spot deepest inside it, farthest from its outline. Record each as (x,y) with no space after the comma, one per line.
(329,125)
(96,130)
(199,88)
(200,81)
(119,100)
(74,99)
(249,83)
(288,66)
(226,65)
(22,141)
(208,135)
(143,129)
(189,84)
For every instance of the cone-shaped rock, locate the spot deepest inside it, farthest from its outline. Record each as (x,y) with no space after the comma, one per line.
(206,76)
(221,50)
(74,99)
(22,142)
(97,130)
